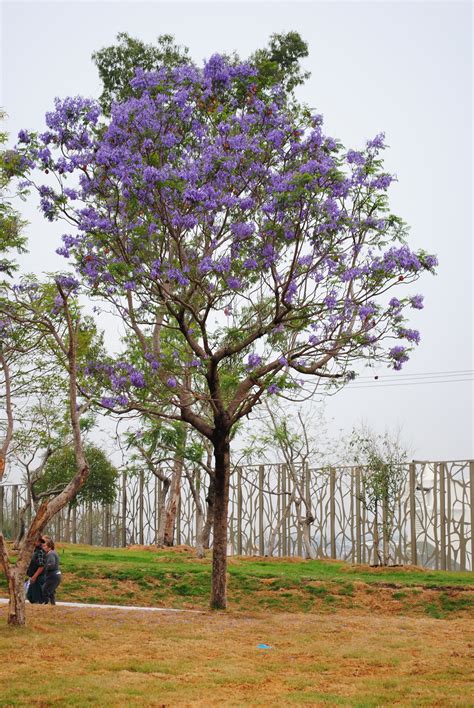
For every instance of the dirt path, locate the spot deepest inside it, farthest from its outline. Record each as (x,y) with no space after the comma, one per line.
(4,601)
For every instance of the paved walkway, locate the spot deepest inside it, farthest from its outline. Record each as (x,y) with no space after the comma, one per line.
(4,601)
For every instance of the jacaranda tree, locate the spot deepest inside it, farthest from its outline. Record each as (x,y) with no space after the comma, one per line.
(213,211)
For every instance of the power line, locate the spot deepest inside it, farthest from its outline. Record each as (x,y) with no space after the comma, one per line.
(376,384)
(460,372)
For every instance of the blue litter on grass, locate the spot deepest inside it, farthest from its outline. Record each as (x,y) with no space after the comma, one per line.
(264,646)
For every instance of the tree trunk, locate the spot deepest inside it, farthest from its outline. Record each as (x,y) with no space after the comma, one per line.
(173,501)
(22,526)
(221,503)
(305,524)
(274,531)
(160,534)
(199,533)
(17,604)
(194,485)
(15,577)
(206,532)
(309,550)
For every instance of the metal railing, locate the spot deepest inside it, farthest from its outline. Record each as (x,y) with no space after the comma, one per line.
(430,522)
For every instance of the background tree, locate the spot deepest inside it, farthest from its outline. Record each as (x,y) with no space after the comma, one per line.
(300,442)
(40,428)
(100,485)
(50,311)
(159,446)
(383,458)
(12,241)
(169,452)
(216,209)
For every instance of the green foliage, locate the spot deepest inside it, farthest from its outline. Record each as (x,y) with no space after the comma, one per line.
(11,236)
(117,63)
(280,61)
(100,485)
(383,457)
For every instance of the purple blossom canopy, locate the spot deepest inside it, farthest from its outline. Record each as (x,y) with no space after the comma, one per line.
(207,194)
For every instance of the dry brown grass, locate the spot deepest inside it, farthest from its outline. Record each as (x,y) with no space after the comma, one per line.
(116,658)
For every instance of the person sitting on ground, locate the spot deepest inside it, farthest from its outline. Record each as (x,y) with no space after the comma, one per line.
(52,573)
(35,572)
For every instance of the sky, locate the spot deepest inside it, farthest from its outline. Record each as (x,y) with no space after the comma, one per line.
(404,68)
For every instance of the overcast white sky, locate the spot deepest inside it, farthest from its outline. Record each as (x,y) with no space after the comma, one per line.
(401,67)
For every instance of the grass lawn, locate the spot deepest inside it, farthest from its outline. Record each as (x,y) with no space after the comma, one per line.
(175,578)
(339,635)
(70,657)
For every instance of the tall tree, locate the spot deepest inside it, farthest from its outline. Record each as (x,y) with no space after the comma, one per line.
(51,312)
(12,242)
(215,208)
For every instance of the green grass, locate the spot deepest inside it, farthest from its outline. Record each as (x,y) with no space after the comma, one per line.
(175,578)
(446,604)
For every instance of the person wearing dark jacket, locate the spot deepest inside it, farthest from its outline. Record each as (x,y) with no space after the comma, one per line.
(51,572)
(35,572)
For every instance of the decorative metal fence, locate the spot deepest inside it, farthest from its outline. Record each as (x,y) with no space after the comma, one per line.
(430,523)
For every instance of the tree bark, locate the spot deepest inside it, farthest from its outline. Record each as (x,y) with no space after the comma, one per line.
(22,526)
(194,485)
(173,501)
(160,534)
(221,503)
(16,591)
(209,523)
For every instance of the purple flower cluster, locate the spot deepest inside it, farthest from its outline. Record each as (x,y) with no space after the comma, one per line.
(399,356)
(253,361)
(205,191)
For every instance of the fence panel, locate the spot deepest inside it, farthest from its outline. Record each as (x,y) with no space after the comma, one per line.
(430,523)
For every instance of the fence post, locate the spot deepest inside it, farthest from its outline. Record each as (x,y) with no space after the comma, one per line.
(308,491)
(447,484)
(178,522)
(471,490)
(156,507)
(89,523)
(141,487)
(261,477)
(332,510)
(442,514)
(239,511)
(358,519)
(14,511)
(412,480)
(107,526)
(74,524)
(28,509)
(283,497)
(124,509)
